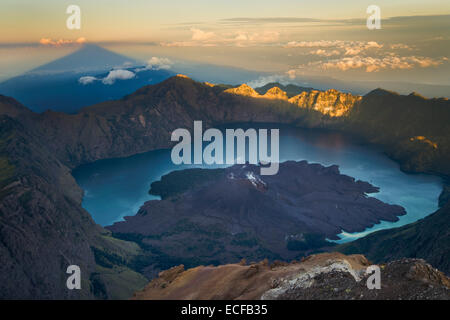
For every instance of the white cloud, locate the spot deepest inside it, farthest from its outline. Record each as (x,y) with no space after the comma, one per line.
(113,75)
(156,63)
(241,36)
(368,55)
(200,35)
(358,47)
(261,81)
(311,44)
(325,53)
(373,44)
(352,51)
(87,80)
(118,74)
(264,37)
(292,74)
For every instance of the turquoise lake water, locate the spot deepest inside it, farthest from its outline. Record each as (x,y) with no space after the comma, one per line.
(115,188)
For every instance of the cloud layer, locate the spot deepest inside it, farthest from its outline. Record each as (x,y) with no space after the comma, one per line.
(201,38)
(113,75)
(61,42)
(118,74)
(336,47)
(371,64)
(368,56)
(155,63)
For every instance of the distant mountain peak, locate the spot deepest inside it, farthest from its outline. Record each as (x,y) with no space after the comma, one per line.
(291,90)
(332,91)
(182,76)
(276,93)
(415,94)
(243,90)
(88,58)
(381,92)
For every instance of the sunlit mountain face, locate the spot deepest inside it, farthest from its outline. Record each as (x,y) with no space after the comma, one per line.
(99,200)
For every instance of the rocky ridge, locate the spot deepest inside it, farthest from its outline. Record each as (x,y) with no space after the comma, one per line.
(322,276)
(330,102)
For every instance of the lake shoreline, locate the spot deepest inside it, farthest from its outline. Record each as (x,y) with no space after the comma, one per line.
(336,134)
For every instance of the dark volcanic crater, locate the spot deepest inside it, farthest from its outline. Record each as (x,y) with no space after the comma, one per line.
(222,215)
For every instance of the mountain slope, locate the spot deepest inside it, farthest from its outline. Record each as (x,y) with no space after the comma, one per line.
(43,228)
(323,276)
(31,215)
(413,130)
(143,120)
(43,224)
(428,239)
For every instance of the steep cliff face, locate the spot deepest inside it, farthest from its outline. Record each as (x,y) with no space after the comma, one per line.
(330,102)
(322,276)
(44,229)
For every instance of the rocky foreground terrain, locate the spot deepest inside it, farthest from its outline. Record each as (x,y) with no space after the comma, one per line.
(217,216)
(321,276)
(43,227)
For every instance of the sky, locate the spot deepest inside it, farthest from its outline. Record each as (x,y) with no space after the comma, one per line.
(288,38)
